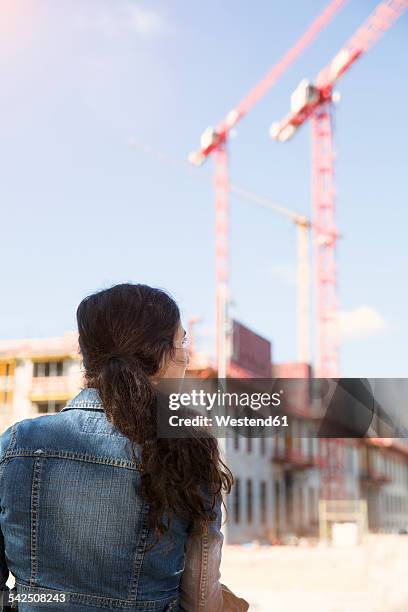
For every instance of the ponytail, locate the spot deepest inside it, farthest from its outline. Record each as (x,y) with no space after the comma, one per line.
(128,398)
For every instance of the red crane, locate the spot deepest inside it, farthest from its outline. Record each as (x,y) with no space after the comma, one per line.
(215,141)
(315,101)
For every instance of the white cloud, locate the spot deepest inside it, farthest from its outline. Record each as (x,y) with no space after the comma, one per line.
(145,21)
(116,19)
(361,322)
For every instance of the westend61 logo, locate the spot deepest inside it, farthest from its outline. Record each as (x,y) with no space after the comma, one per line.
(203,399)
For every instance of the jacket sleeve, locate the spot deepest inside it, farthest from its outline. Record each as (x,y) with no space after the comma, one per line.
(200,588)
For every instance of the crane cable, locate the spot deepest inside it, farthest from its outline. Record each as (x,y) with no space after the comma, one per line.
(240,192)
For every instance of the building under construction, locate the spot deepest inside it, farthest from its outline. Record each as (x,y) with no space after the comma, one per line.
(277,480)
(280,480)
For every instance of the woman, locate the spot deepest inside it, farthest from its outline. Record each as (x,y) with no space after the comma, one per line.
(97,512)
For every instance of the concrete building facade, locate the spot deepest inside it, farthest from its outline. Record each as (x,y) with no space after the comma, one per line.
(37,376)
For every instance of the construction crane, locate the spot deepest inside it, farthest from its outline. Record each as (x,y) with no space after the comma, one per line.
(302,224)
(214,141)
(315,101)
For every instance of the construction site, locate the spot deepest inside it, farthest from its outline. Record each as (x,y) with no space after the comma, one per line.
(313,523)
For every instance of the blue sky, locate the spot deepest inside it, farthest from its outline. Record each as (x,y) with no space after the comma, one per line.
(83,210)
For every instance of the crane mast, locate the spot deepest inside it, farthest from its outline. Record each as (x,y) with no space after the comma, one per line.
(325,237)
(303,307)
(222,257)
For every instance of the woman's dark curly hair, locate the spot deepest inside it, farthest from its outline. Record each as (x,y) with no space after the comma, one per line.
(126,333)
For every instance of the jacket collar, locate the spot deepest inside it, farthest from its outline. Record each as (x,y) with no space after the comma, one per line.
(87,399)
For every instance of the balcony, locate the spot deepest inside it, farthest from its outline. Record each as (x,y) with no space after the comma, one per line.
(293,459)
(51,388)
(373,477)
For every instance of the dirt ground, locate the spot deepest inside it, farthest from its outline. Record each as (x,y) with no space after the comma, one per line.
(371,577)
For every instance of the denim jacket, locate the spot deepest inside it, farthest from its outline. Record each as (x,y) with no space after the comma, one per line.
(74,529)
